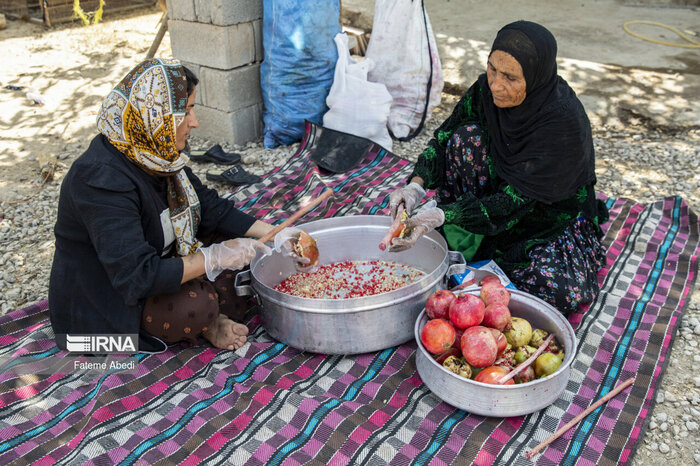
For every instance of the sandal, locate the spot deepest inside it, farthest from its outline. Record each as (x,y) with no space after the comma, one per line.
(235,175)
(215,154)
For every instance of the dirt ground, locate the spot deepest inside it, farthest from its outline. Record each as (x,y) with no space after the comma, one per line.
(643,92)
(72,68)
(620,78)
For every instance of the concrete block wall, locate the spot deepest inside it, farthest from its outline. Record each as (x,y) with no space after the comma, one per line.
(221,42)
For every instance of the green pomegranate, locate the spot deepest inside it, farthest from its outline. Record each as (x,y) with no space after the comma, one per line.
(546,364)
(520,332)
(523,353)
(538,337)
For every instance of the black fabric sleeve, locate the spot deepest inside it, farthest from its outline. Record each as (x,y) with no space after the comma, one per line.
(430,165)
(489,215)
(218,215)
(109,207)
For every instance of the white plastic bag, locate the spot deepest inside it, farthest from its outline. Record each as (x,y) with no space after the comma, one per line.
(489,265)
(403,48)
(357,106)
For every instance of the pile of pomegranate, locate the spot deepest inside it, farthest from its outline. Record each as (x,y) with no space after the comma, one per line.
(477,338)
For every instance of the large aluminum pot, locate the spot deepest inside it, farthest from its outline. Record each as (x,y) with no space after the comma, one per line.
(347,326)
(503,400)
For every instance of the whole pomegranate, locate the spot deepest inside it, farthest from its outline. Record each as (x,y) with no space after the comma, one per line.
(492,375)
(523,353)
(497,315)
(466,311)
(546,364)
(501,341)
(437,336)
(479,347)
(495,292)
(489,279)
(438,304)
(538,337)
(519,333)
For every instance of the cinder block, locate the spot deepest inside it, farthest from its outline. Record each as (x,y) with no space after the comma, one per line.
(233,89)
(259,50)
(228,12)
(239,127)
(213,46)
(181,9)
(197,70)
(203,10)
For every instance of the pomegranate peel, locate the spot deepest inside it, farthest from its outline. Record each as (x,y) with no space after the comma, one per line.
(458,366)
(306,247)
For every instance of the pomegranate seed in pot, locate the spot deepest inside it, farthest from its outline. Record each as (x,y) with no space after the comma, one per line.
(350,279)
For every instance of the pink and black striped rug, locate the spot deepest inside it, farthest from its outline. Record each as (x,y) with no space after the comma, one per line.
(268,403)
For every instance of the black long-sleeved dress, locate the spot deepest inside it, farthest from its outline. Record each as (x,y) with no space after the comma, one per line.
(551,250)
(113,242)
(508,224)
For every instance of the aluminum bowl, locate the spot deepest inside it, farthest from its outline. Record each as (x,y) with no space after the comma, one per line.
(354,325)
(502,400)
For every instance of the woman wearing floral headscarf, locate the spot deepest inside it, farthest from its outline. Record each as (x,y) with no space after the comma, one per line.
(133,219)
(514,171)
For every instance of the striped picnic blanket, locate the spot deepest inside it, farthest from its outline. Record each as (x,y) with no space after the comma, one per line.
(268,403)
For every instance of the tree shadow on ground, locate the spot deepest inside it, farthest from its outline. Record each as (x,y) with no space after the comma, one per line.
(33,28)
(614,96)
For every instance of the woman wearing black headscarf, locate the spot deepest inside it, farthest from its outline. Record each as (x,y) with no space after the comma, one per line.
(513,168)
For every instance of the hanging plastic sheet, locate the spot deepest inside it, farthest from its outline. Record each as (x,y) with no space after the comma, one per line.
(297,71)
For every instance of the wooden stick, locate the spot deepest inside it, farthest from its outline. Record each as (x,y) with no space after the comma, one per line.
(30,19)
(162,27)
(463,285)
(578,418)
(527,362)
(296,215)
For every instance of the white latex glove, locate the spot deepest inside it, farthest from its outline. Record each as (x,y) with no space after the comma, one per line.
(285,241)
(427,218)
(233,254)
(409,195)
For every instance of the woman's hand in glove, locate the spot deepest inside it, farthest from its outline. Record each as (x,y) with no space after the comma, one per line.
(409,195)
(233,254)
(285,242)
(426,219)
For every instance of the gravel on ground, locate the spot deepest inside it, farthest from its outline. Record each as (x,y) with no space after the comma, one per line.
(638,162)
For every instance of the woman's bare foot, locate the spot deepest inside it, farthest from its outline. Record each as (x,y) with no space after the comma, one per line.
(226,334)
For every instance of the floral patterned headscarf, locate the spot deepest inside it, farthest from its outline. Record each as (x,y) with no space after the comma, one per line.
(139,117)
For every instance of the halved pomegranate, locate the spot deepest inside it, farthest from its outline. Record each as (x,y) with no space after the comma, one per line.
(306,247)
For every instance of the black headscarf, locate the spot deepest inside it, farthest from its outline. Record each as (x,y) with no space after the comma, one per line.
(543,147)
